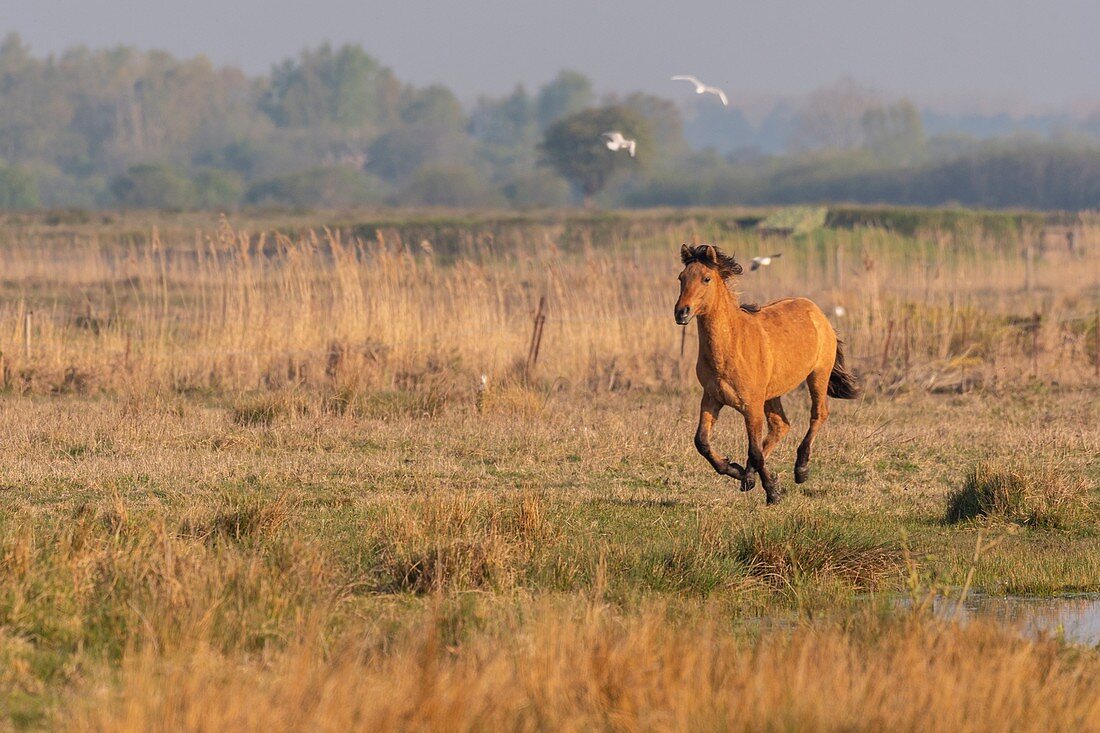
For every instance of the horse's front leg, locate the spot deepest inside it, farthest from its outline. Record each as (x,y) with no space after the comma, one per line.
(778,425)
(708,413)
(754,427)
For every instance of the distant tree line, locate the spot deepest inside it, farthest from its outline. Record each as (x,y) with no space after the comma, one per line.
(334,127)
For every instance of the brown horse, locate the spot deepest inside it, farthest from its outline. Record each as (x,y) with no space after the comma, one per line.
(749,357)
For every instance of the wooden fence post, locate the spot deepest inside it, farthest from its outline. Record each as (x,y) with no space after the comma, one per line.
(1096,334)
(1036,321)
(536,336)
(838,264)
(27,335)
(905,341)
(886,346)
(1029,266)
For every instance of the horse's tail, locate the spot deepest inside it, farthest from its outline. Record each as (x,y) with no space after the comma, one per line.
(842,383)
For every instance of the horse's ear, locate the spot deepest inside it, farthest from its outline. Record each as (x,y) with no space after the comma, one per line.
(685,253)
(710,254)
(736,266)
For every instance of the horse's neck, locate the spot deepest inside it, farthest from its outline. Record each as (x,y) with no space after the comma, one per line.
(719,326)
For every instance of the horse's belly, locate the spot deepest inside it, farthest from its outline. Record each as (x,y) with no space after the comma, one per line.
(783,382)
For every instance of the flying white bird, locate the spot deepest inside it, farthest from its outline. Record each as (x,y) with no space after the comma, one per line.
(763,260)
(839,311)
(616,141)
(701,88)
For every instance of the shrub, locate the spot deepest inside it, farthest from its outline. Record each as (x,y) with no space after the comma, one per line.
(318,187)
(154,186)
(449,185)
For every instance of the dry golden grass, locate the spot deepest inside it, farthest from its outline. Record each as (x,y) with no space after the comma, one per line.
(586,667)
(232,310)
(252,482)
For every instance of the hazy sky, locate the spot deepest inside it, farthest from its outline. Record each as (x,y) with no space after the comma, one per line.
(1041,51)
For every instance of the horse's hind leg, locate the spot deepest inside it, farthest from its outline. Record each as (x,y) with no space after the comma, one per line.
(818,385)
(778,425)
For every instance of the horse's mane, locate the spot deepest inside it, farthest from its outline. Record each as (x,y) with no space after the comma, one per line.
(711,256)
(716,259)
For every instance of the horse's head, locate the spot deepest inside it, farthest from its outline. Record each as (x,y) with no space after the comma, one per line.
(706,269)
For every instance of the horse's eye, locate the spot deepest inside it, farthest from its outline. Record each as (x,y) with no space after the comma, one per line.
(706,279)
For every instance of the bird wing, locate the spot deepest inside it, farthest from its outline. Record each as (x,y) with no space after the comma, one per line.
(614,136)
(722,96)
(754,266)
(686,77)
(777,254)
(633,145)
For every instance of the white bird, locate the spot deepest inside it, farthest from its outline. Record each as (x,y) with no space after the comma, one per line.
(839,311)
(701,88)
(616,141)
(763,260)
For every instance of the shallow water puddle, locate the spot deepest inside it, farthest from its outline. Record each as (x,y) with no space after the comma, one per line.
(1076,618)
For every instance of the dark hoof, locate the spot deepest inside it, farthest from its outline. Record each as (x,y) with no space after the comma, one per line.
(774,496)
(801,473)
(748,483)
(734,470)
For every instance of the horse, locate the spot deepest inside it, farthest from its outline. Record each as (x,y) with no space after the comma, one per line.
(750,356)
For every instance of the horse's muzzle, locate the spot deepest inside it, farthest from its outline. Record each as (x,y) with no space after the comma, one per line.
(683,315)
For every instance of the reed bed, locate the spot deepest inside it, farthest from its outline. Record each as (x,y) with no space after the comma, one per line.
(231,310)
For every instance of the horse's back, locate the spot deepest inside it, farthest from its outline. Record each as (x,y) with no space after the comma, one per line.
(800,338)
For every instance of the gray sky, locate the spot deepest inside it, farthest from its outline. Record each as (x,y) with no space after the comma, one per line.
(1040,51)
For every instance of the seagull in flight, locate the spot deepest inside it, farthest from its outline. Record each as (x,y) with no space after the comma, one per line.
(763,261)
(701,88)
(616,141)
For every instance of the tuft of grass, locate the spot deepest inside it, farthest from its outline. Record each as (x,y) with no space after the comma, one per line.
(244,518)
(258,411)
(461,542)
(266,408)
(1041,496)
(428,401)
(790,551)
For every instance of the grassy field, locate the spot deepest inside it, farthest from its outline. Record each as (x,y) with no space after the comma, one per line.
(252,483)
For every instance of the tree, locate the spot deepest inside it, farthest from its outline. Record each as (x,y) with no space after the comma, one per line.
(832,118)
(435,106)
(17,189)
(505,122)
(507,133)
(574,146)
(346,87)
(894,134)
(402,151)
(664,126)
(569,92)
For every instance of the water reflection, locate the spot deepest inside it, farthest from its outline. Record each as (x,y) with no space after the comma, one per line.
(1073,618)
